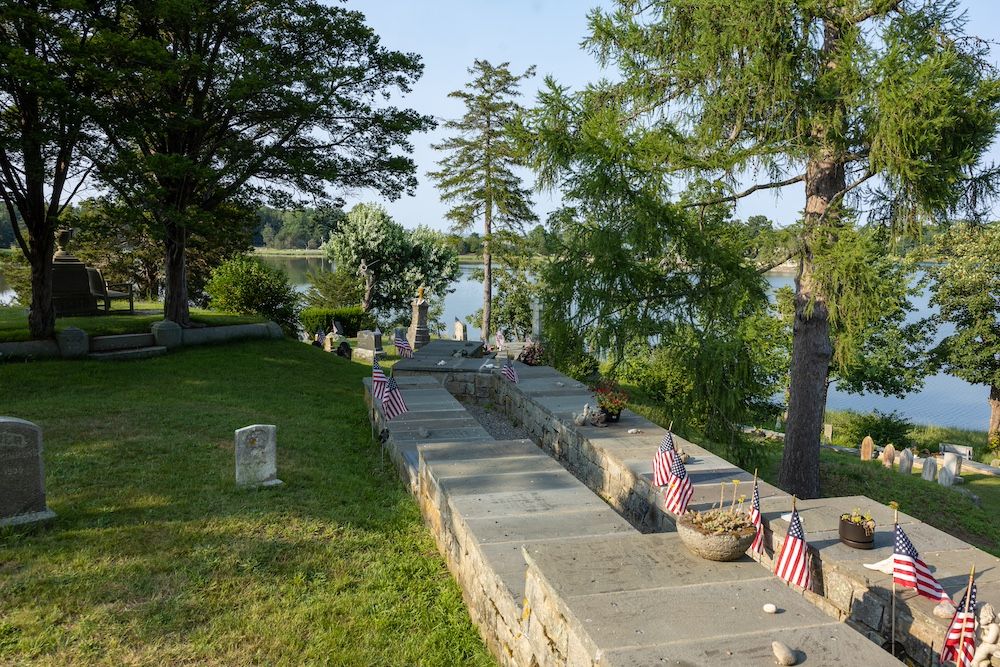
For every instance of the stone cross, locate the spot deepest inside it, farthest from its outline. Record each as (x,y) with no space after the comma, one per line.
(22,473)
(460,331)
(257,456)
(888,455)
(867,447)
(945,478)
(930,469)
(906,462)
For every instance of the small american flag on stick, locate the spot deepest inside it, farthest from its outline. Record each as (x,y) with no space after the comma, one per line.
(509,372)
(960,642)
(758,541)
(393,404)
(909,570)
(793,562)
(680,490)
(663,460)
(379,381)
(403,348)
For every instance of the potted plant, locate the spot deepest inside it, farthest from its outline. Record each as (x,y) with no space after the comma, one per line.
(857,530)
(611,399)
(719,534)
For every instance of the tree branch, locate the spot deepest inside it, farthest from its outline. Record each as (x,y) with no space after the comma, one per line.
(749,191)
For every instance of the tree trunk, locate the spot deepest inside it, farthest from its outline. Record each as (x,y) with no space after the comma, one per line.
(175,300)
(41,315)
(487,272)
(811,347)
(994,430)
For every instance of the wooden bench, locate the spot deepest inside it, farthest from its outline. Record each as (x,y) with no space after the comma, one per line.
(106,292)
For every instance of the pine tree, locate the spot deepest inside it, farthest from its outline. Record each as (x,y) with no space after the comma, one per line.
(477,176)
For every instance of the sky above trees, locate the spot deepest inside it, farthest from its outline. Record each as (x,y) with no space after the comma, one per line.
(450,34)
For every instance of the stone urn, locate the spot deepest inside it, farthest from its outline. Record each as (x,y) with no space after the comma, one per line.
(726,546)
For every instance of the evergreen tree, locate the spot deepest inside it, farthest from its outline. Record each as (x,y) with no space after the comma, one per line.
(880,102)
(477,176)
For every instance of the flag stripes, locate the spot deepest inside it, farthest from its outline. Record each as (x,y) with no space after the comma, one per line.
(403,348)
(379,382)
(910,571)
(393,404)
(793,562)
(663,460)
(962,631)
(755,518)
(680,490)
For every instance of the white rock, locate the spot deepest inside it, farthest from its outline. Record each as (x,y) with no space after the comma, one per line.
(770,609)
(442,362)
(633,431)
(784,655)
(944,610)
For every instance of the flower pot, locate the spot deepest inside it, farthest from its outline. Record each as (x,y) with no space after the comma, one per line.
(611,415)
(723,547)
(854,535)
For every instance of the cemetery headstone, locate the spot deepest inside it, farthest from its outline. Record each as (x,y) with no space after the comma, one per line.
(888,455)
(536,320)
(369,347)
(945,477)
(906,462)
(953,462)
(867,448)
(828,432)
(22,473)
(929,471)
(962,450)
(460,331)
(338,328)
(330,342)
(418,334)
(257,455)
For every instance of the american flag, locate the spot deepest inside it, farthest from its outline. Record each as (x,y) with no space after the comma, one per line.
(403,348)
(680,490)
(965,618)
(909,570)
(758,541)
(663,460)
(793,562)
(509,372)
(392,402)
(500,341)
(378,381)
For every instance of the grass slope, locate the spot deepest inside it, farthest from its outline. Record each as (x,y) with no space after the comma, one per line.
(157,558)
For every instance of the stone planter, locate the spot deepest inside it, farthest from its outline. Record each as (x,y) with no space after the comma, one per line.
(854,535)
(724,547)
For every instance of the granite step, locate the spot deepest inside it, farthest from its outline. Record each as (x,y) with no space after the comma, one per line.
(125,355)
(121,342)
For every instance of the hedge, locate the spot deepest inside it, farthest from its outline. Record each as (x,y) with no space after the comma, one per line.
(353,319)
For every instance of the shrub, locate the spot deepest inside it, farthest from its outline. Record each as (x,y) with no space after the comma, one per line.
(246,286)
(581,367)
(353,318)
(883,427)
(533,354)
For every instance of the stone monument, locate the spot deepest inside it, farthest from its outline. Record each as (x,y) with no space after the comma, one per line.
(867,448)
(929,471)
(418,334)
(945,478)
(828,432)
(536,320)
(952,462)
(257,456)
(22,473)
(369,347)
(461,333)
(906,462)
(888,455)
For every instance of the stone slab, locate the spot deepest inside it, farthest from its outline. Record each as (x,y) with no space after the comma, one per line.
(536,482)
(504,466)
(524,502)
(401,436)
(490,449)
(591,521)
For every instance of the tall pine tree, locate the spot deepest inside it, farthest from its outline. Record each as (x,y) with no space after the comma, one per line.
(477,176)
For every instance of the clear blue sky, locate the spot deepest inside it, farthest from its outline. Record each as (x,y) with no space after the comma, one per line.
(450,34)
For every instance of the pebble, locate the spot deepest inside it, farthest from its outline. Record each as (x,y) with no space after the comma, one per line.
(784,654)
(633,431)
(442,362)
(770,609)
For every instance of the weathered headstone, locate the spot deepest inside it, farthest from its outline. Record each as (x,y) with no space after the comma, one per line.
(906,462)
(929,471)
(963,451)
(369,347)
(257,455)
(536,320)
(888,455)
(330,342)
(338,328)
(460,331)
(828,432)
(867,448)
(953,462)
(945,477)
(418,334)
(22,473)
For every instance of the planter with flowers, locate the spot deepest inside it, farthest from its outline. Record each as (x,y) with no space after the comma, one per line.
(611,400)
(857,530)
(720,534)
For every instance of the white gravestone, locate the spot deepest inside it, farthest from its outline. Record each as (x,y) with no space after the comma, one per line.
(867,448)
(906,462)
(257,456)
(888,455)
(953,462)
(22,473)
(929,471)
(460,331)
(945,478)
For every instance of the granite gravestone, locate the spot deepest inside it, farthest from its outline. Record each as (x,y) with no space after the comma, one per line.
(867,448)
(22,473)
(945,477)
(369,347)
(536,320)
(952,462)
(906,462)
(929,471)
(257,456)
(419,334)
(888,455)
(460,331)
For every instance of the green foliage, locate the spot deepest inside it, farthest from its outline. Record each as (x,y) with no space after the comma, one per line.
(391,261)
(883,427)
(247,285)
(17,274)
(334,289)
(580,366)
(305,229)
(353,318)
(513,294)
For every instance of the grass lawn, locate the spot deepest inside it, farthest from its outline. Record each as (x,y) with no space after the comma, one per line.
(157,558)
(14,320)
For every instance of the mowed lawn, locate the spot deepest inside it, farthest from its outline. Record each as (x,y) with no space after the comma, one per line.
(157,558)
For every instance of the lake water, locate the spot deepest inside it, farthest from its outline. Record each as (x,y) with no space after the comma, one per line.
(944,400)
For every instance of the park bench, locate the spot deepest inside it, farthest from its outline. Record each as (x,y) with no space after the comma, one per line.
(106,292)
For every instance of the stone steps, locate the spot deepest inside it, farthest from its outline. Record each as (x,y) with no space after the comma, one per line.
(125,355)
(121,342)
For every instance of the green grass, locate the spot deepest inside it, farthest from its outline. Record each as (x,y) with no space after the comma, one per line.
(157,558)
(14,321)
